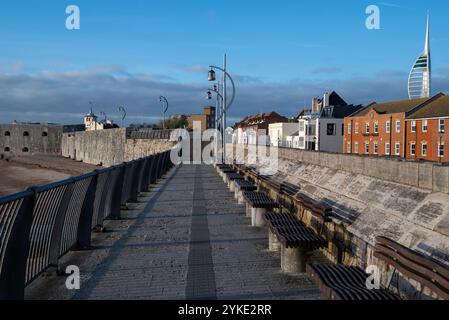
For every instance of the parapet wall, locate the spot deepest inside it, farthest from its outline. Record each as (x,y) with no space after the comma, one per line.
(429,176)
(109,147)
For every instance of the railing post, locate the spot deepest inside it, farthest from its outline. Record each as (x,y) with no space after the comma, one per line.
(136,173)
(55,242)
(84,233)
(117,195)
(13,268)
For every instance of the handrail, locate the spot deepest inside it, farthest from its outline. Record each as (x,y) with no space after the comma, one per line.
(42,224)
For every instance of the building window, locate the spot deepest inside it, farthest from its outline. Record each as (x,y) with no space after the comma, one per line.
(356,148)
(349,128)
(387,149)
(388,127)
(376,127)
(343,129)
(301,143)
(366,148)
(440,150)
(424,150)
(25,150)
(442,125)
(331,129)
(7,134)
(413,126)
(398,126)
(7,149)
(367,128)
(356,129)
(424,126)
(376,148)
(412,149)
(301,126)
(348,147)
(397,149)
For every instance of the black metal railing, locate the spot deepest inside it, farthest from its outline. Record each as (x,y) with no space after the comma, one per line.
(42,224)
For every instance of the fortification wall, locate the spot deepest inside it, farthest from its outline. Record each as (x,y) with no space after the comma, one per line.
(109,147)
(407,202)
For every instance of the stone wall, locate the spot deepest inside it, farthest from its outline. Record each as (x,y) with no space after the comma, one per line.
(407,202)
(430,176)
(109,147)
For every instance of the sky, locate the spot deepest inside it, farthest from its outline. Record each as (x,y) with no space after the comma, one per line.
(280,53)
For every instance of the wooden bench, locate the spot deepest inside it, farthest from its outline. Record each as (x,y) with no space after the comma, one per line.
(241,186)
(414,265)
(339,282)
(231,177)
(294,238)
(257,204)
(321,213)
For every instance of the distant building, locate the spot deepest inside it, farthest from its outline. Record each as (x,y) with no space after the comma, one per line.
(207,119)
(249,130)
(279,132)
(322,129)
(381,129)
(91,123)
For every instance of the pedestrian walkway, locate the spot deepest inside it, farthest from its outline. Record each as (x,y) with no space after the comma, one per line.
(186,239)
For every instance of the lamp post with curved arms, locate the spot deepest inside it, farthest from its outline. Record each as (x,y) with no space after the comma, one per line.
(122,109)
(218,114)
(164,102)
(102,113)
(226,106)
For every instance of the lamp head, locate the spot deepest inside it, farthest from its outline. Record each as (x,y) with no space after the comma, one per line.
(211,75)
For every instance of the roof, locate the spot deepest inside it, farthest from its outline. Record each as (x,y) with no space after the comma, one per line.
(437,108)
(340,111)
(400,106)
(260,119)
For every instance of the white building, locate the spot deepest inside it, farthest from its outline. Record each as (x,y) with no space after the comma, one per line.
(91,123)
(322,129)
(278,133)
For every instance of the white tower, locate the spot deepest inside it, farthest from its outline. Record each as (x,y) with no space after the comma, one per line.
(419,81)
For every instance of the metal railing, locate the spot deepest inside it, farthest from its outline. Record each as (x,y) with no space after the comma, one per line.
(42,224)
(150,134)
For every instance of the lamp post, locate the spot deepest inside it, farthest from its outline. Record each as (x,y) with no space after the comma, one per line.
(122,109)
(164,102)
(218,115)
(225,105)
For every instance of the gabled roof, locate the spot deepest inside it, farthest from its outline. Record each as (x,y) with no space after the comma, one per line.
(401,106)
(435,109)
(340,111)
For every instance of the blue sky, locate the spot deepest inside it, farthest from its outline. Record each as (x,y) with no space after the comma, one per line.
(281,53)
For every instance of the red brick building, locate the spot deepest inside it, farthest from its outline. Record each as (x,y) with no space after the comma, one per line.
(427,133)
(381,129)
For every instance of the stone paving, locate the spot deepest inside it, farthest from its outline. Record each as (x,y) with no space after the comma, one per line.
(186,239)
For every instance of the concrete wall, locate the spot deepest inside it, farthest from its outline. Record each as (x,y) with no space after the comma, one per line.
(29,139)
(109,147)
(430,176)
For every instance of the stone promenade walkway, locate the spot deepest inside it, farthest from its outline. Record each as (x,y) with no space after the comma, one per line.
(186,239)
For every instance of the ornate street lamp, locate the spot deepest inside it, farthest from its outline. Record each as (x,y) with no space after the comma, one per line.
(164,102)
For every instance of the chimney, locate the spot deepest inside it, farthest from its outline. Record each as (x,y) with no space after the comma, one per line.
(326,98)
(314,105)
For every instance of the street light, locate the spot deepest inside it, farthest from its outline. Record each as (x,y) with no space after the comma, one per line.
(122,109)
(164,102)
(225,106)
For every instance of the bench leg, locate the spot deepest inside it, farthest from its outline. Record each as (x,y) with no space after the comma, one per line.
(293,260)
(231,185)
(240,198)
(273,243)
(257,219)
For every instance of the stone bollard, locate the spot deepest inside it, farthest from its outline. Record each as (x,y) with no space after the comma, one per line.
(293,260)
(274,244)
(257,219)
